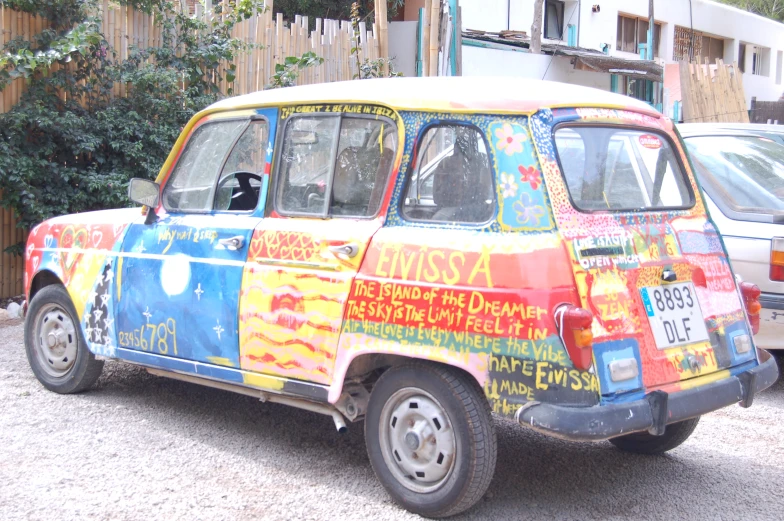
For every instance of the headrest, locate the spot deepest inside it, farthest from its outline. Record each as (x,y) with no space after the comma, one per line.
(355,174)
(450,182)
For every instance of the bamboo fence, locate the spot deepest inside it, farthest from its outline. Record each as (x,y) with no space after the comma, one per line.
(712,93)
(11,266)
(273,40)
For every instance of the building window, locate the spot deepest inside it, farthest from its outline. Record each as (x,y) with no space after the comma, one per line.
(779,60)
(695,45)
(712,48)
(553,19)
(742,57)
(633,31)
(760,61)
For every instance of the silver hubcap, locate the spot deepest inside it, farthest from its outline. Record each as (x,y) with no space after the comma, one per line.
(56,340)
(417,440)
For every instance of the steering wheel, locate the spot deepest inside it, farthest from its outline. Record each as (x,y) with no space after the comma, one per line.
(245,199)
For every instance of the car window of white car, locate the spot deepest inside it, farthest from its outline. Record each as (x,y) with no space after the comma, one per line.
(746,172)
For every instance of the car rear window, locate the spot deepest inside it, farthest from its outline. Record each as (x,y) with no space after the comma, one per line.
(620,169)
(746,173)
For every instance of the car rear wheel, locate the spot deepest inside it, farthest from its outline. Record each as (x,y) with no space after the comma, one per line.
(55,347)
(430,438)
(645,443)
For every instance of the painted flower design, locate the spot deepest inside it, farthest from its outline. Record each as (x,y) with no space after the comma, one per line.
(527,212)
(530,175)
(509,141)
(508,185)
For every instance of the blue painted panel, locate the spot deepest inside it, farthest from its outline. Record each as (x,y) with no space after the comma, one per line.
(737,329)
(179,287)
(606,352)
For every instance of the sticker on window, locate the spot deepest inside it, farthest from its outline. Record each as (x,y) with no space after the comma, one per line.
(651,142)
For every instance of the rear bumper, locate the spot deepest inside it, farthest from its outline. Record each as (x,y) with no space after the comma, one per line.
(652,413)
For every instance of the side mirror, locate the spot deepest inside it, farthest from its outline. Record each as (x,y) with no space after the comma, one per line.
(144,192)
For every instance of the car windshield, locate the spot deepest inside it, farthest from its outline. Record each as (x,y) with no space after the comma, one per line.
(610,168)
(745,172)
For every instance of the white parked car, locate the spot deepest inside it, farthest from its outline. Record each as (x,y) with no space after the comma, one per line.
(741,170)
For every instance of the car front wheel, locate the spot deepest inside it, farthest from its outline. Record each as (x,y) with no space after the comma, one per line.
(55,347)
(430,438)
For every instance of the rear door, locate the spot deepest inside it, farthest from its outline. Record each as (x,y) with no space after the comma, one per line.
(647,261)
(331,178)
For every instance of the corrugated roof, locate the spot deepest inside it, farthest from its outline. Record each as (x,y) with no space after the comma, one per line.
(585,59)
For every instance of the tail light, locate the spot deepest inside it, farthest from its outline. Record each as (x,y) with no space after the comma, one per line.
(574,328)
(751,294)
(777,259)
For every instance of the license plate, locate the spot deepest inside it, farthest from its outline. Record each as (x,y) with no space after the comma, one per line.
(674,314)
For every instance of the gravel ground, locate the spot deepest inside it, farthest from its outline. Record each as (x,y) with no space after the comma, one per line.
(143,447)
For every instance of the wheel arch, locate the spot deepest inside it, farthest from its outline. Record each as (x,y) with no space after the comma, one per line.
(365,365)
(42,279)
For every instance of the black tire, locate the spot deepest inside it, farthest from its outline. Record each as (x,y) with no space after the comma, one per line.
(51,312)
(645,443)
(466,419)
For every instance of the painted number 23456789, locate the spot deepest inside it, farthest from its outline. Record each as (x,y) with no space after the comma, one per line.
(152,337)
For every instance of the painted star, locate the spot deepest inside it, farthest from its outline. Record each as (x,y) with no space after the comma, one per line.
(109,276)
(97,332)
(140,248)
(97,314)
(92,295)
(218,329)
(147,314)
(108,323)
(198,291)
(105,299)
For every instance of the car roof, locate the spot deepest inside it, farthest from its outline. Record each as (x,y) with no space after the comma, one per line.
(727,129)
(444,93)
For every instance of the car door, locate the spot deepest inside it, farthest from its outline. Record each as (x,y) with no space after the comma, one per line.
(180,276)
(332,176)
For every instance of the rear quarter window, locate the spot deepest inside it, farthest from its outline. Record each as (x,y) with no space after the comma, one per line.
(621,169)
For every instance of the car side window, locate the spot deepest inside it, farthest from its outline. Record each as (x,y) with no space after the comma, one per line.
(452,179)
(239,185)
(335,166)
(190,186)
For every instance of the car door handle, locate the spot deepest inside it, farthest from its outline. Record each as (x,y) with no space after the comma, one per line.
(349,250)
(232,243)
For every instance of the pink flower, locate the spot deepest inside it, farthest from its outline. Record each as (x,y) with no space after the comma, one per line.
(509,141)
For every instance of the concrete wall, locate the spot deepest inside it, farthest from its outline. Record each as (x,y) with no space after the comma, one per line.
(489,15)
(493,62)
(596,29)
(402,46)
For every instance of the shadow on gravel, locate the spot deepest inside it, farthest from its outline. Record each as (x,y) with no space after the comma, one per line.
(536,475)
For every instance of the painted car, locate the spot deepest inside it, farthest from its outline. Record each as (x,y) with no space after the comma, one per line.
(419,254)
(741,170)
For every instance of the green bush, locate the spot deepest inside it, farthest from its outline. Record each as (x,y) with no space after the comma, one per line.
(69,145)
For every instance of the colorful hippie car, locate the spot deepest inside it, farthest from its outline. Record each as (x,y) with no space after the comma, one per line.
(420,254)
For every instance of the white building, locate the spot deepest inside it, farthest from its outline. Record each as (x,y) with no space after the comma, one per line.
(617,28)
